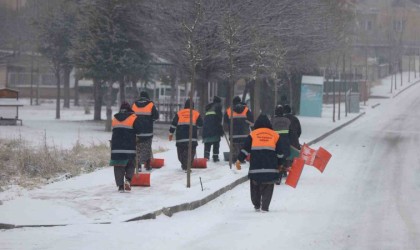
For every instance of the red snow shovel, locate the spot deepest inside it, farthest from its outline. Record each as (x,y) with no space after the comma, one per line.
(140,178)
(157,163)
(295,172)
(199,163)
(322,158)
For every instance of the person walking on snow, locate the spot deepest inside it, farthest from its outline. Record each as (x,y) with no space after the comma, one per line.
(242,120)
(295,129)
(123,146)
(181,126)
(268,153)
(147,113)
(212,129)
(281,126)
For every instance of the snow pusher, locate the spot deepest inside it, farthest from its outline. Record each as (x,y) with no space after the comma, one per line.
(295,172)
(157,162)
(140,178)
(199,163)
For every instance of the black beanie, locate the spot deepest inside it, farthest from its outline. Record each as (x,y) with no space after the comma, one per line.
(287,109)
(125,107)
(236,100)
(144,94)
(279,110)
(217,99)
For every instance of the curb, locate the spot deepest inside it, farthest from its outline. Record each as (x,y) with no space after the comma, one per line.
(406,88)
(376,105)
(169,211)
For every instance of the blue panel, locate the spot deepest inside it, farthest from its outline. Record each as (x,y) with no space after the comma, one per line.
(311,100)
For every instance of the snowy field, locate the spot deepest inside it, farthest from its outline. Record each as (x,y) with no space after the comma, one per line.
(365,199)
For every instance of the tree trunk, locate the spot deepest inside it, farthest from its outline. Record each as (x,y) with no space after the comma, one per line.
(174,90)
(76,90)
(333,98)
(190,156)
(122,91)
(66,72)
(97,95)
(257,93)
(108,122)
(57,106)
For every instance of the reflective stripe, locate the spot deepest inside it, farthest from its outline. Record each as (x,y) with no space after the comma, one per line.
(122,151)
(186,140)
(239,136)
(239,116)
(263,148)
(284,131)
(143,113)
(211,113)
(148,134)
(123,126)
(244,151)
(262,171)
(280,156)
(185,123)
(172,126)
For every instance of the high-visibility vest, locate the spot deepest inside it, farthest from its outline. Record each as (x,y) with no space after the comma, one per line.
(127,123)
(264,139)
(146,110)
(184,117)
(237,115)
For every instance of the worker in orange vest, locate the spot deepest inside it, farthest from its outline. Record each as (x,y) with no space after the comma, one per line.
(242,122)
(123,146)
(147,113)
(181,125)
(268,154)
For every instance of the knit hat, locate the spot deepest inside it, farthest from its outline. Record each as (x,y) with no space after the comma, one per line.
(144,94)
(187,104)
(279,110)
(125,107)
(217,99)
(287,109)
(262,122)
(236,100)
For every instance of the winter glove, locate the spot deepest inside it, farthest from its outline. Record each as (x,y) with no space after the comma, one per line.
(171,137)
(238,165)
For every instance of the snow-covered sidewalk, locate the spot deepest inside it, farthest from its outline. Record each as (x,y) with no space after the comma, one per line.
(93,198)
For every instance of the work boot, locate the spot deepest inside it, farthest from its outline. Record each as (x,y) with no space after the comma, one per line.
(216,158)
(147,165)
(121,189)
(127,186)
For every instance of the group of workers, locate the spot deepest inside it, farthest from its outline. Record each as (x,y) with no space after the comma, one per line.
(267,142)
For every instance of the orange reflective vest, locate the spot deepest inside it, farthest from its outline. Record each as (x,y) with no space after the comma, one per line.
(237,115)
(264,139)
(184,117)
(127,123)
(146,110)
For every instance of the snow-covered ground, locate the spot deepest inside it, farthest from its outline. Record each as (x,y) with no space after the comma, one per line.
(352,205)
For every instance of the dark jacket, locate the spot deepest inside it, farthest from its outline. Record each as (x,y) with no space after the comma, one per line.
(123,142)
(267,151)
(147,114)
(281,126)
(213,120)
(181,124)
(242,118)
(294,130)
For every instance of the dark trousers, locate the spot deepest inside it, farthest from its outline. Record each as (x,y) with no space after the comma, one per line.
(207,149)
(236,149)
(124,171)
(183,155)
(261,194)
